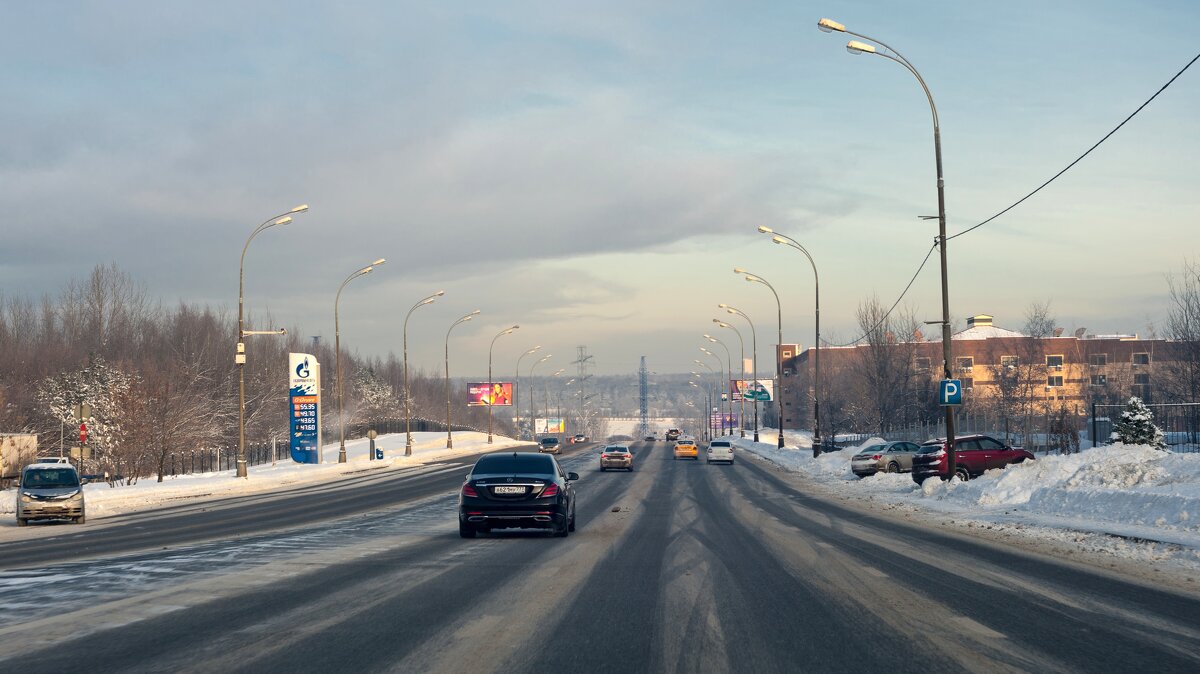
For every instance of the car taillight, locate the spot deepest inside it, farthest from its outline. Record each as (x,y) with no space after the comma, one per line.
(603,456)
(468,490)
(550,490)
(876,457)
(939,454)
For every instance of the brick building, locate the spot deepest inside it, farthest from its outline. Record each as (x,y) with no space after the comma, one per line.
(1058,371)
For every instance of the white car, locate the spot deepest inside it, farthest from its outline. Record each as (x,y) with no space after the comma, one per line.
(720,450)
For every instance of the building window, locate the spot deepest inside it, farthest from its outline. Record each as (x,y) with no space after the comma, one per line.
(968,383)
(1055,362)
(1141,379)
(1098,359)
(1099,380)
(922,364)
(1009,362)
(1141,359)
(1054,380)
(787,354)
(964,363)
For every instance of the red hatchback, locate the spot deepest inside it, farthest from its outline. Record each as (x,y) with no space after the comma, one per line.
(973,454)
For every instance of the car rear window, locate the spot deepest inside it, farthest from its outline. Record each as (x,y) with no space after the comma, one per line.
(718,443)
(617,449)
(514,463)
(549,441)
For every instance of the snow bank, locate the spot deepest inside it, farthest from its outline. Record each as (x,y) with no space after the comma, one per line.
(1131,491)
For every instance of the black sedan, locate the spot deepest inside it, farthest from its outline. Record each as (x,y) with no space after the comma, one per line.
(517,490)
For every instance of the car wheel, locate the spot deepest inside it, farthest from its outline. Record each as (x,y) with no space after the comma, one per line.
(566,529)
(466,530)
(962,474)
(80,520)
(602,469)
(893,467)
(571,523)
(21,522)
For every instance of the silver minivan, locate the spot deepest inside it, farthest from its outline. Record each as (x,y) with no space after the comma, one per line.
(50,491)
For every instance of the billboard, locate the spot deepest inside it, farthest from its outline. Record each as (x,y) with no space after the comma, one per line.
(549,426)
(498,394)
(761,389)
(719,420)
(304,393)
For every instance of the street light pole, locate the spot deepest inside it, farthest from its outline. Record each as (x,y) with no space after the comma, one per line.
(491,349)
(517,388)
(708,409)
(720,391)
(240,357)
(407,392)
(778,361)
(728,380)
(754,362)
(532,418)
(783,239)
(742,346)
(855,47)
(449,432)
(337,355)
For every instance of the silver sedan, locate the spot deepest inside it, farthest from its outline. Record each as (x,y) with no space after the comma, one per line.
(888,457)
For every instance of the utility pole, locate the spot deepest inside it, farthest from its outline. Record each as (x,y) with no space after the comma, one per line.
(582,363)
(644,401)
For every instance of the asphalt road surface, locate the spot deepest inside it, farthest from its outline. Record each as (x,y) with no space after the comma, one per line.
(677,567)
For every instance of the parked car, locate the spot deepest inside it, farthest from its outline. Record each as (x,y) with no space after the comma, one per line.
(889,457)
(720,450)
(973,454)
(616,456)
(523,490)
(549,445)
(50,491)
(685,448)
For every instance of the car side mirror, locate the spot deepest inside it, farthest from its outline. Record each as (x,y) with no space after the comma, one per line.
(83,480)
(571,477)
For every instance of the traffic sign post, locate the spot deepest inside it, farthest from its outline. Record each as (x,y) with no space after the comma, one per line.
(950,393)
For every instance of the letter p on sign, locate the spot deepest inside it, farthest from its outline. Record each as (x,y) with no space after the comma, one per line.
(950,392)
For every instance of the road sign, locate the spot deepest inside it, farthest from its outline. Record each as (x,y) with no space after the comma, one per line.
(950,392)
(82,434)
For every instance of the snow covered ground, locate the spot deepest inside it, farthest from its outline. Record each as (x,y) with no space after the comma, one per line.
(429,447)
(1131,501)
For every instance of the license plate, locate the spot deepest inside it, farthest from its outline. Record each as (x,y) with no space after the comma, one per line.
(508,489)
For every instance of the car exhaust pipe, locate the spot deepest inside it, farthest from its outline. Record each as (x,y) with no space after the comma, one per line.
(541,518)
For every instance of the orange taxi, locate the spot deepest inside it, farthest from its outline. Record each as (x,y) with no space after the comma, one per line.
(685,448)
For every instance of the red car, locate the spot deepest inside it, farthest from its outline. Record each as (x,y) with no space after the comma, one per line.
(973,454)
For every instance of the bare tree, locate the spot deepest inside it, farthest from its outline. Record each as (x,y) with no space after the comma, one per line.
(1182,380)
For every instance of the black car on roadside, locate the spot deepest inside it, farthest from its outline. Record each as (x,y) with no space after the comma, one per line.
(517,490)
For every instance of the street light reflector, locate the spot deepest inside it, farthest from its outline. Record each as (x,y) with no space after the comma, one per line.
(829,25)
(739,270)
(378,262)
(752,278)
(779,239)
(765,230)
(856,47)
(283,221)
(439,293)
(299,209)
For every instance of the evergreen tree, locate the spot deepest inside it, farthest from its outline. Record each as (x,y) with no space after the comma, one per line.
(1136,426)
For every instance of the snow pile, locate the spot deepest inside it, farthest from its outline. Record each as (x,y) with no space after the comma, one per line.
(428,447)
(1132,491)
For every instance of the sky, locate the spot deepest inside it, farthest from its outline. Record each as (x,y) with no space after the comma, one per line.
(593,172)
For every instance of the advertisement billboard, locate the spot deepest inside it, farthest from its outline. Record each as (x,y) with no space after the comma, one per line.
(719,420)
(304,393)
(498,394)
(761,389)
(549,426)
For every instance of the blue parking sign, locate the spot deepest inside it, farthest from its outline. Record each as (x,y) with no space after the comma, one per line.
(950,392)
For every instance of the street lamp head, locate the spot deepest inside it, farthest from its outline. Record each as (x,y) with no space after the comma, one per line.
(730,310)
(739,270)
(439,293)
(829,25)
(299,209)
(753,279)
(856,47)
(722,306)
(779,239)
(763,229)
(378,262)
(282,221)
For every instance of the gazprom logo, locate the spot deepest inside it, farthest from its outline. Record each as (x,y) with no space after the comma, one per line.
(302,369)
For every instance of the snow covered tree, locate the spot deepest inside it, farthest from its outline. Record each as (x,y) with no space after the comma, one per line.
(1136,426)
(99,385)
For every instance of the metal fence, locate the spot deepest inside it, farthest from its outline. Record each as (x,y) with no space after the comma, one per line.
(1062,432)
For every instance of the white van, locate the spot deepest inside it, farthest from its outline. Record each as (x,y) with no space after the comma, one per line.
(720,450)
(50,491)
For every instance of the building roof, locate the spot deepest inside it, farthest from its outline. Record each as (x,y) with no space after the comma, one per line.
(985,332)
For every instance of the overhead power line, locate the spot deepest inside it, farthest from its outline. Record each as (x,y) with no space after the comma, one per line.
(1021,200)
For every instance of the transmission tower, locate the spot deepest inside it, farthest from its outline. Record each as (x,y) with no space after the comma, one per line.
(644,399)
(581,379)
